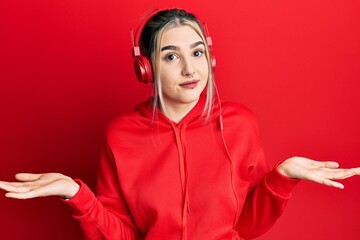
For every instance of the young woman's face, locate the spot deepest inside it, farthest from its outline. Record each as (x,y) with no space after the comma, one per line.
(184,68)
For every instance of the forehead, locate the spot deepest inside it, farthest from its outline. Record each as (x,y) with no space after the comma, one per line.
(180,36)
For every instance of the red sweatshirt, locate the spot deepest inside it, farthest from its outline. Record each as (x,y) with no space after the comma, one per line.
(162,180)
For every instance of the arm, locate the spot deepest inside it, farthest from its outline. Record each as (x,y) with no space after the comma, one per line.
(266,202)
(100,217)
(105,216)
(269,191)
(262,194)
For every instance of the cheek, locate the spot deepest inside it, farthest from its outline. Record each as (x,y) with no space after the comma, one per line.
(164,75)
(169,71)
(167,78)
(205,70)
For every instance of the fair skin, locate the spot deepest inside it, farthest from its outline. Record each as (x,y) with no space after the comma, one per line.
(184,73)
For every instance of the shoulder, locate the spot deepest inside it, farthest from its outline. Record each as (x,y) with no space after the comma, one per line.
(120,126)
(239,118)
(237,111)
(123,120)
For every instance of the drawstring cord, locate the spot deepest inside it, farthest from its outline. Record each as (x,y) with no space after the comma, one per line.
(221,126)
(184,176)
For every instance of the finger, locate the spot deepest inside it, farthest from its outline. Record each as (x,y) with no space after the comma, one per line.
(325,164)
(40,191)
(325,181)
(26,177)
(331,164)
(14,187)
(17,195)
(337,173)
(37,192)
(333,184)
(16,184)
(356,170)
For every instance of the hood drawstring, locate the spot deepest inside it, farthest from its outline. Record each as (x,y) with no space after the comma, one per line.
(195,117)
(179,132)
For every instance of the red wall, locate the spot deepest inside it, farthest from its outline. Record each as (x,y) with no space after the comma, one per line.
(66,70)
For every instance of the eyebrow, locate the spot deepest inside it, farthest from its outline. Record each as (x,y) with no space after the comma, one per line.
(172,47)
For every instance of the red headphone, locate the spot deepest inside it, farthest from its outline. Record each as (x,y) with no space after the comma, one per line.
(142,64)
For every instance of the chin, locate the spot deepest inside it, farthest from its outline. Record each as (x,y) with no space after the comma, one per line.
(190,99)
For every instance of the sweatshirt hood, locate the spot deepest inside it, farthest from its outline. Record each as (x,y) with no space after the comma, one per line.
(151,115)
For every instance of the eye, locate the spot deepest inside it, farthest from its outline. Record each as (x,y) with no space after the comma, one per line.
(171,57)
(198,53)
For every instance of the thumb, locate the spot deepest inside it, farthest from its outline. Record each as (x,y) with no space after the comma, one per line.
(26,177)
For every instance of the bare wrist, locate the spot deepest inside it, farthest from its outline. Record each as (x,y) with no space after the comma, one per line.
(282,169)
(72,189)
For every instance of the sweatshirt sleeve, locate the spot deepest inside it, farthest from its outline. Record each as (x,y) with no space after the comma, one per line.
(264,204)
(104,216)
(268,190)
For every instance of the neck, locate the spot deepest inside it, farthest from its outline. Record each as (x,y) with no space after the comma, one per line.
(177,111)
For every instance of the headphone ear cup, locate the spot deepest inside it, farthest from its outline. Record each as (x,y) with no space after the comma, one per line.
(143,69)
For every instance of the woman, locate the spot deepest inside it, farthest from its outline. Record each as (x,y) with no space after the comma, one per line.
(183,165)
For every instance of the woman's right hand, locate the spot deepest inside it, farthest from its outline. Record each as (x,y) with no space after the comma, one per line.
(40,185)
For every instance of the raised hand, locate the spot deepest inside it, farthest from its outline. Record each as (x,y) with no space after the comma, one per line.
(320,172)
(40,185)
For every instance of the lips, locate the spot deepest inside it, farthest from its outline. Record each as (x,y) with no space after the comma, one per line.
(189,84)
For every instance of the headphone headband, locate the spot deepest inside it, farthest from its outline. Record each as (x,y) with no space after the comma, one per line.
(136,40)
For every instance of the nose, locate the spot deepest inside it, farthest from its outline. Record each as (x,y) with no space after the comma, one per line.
(188,69)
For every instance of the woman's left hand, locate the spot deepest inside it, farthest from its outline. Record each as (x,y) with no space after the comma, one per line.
(320,172)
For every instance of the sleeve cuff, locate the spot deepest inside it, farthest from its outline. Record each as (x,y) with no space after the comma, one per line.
(280,184)
(83,201)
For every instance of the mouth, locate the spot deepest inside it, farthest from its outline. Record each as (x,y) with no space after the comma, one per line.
(189,84)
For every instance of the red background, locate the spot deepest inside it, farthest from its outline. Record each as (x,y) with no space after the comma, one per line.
(66,70)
